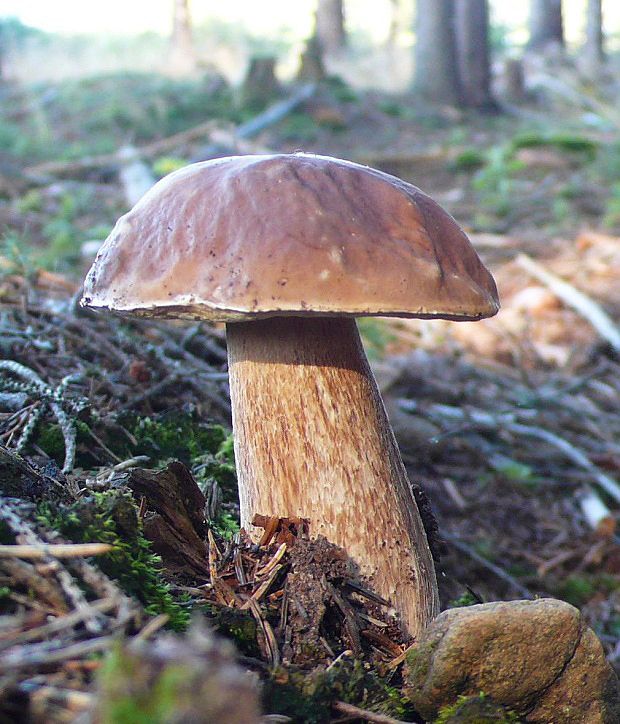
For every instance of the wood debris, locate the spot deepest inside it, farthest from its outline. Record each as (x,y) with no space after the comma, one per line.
(302,595)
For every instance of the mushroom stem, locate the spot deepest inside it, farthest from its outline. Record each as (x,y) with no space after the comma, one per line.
(312,439)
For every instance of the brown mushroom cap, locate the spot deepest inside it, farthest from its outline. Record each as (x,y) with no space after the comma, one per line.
(300,234)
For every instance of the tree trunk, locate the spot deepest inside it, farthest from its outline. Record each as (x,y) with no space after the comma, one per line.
(312,440)
(472,47)
(546,27)
(182,57)
(260,85)
(593,54)
(436,75)
(311,65)
(329,28)
(514,80)
(394,27)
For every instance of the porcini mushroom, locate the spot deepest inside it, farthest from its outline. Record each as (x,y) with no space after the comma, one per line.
(288,250)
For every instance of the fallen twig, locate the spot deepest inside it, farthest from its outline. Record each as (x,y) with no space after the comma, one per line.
(371,716)
(70,550)
(61,623)
(268,117)
(51,653)
(509,422)
(495,569)
(580,302)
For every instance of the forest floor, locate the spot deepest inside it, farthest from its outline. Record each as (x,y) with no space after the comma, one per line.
(511,425)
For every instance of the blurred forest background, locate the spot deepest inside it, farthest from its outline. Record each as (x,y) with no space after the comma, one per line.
(506,113)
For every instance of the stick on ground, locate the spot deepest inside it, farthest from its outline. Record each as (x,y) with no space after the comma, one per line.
(580,302)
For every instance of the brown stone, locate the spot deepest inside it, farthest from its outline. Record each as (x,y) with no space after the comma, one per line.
(587,691)
(529,656)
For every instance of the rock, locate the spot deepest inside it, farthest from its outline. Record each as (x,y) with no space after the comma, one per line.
(535,658)
(586,692)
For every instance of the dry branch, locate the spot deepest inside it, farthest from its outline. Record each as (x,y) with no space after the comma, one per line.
(370,716)
(580,302)
(70,550)
(237,138)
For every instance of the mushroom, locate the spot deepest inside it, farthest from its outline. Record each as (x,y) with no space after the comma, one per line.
(288,250)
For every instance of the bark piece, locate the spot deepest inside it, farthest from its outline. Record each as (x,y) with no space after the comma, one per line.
(175,521)
(21,480)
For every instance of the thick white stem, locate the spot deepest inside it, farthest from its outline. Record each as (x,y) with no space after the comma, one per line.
(312,439)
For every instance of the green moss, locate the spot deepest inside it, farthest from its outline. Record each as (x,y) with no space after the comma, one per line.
(111,517)
(469,160)
(376,336)
(240,626)
(308,696)
(569,143)
(167,164)
(576,589)
(418,662)
(225,525)
(31,201)
(391,108)
(151,702)
(299,127)
(176,434)
(475,710)
(341,90)
(465,599)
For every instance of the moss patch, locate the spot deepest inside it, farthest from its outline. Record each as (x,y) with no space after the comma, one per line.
(111,517)
(475,710)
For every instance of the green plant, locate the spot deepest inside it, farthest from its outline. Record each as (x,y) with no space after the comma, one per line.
(341,90)
(576,589)
(477,709)
(569,143)
(111,517)
(152,703)
(612,209)
(391,108)
(167,164)
(511,469)
(17,257)
(465,599)
(494,181)
(469,160)
(307,696)
(32,200)
(298,127)
(376,336)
